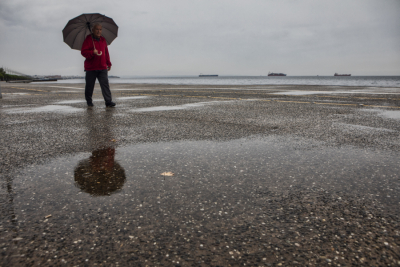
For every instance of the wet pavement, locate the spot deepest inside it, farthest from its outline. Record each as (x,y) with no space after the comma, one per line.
(200,176)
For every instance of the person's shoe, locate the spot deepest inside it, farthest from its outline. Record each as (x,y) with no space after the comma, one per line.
(90,104)
(110,105)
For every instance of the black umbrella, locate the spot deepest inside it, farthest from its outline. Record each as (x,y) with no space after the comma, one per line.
(78,28)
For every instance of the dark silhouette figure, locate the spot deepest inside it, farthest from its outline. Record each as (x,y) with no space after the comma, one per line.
(100,175)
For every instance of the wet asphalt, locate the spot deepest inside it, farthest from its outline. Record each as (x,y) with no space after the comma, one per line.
(179,175)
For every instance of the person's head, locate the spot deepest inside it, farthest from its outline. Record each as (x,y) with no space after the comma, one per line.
(96,30)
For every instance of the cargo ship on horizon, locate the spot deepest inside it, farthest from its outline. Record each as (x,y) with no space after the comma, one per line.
(276,74)
(337,74)
(208,75)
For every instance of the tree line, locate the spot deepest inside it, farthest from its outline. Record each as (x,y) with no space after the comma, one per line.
(9,77)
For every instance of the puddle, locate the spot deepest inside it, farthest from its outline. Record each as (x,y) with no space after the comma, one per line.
(178,107)
(48,108)
(304,92)
(390,114)
(97,100)
(76,101)
(378,90)
(159,108)
(131,97)
(233,169)
(213,195)
(67,87)
(127,89)
(56,92)
(356,128)
(17,122)
(13,106)
(15,93)
(335,92)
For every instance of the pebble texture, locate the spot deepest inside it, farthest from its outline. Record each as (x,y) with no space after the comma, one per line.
(254,178)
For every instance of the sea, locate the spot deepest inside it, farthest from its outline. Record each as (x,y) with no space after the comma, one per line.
(369,81)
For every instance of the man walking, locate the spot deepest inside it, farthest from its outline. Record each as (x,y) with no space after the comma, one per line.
(97,65)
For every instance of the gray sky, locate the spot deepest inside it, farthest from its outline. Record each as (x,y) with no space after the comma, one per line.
(181,37)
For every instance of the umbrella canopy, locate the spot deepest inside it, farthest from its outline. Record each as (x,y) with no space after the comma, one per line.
(78,28)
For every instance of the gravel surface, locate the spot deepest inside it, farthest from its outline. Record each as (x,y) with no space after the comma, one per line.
(200,176)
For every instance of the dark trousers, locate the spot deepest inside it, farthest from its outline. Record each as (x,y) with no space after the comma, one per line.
(102,77)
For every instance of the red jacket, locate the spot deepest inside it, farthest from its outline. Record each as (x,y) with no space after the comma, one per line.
(95,62)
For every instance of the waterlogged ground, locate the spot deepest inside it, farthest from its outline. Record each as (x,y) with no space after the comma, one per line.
(191,180)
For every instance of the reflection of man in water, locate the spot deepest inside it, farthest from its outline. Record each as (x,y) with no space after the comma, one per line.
(100,175)
(97,65)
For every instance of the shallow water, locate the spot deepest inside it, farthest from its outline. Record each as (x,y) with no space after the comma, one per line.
(356,129)
(47,108)
(131,97)
(178,107)
(76,101)
(389,114)
(83,81)
(209,169)
(15,93)
(381,91)
(378,81)
(249,197)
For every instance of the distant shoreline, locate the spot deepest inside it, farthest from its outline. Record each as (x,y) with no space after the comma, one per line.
(348,81)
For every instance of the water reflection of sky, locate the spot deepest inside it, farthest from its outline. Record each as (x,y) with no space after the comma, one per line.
(213,168)
(177,107)
(46,108)
(389,114)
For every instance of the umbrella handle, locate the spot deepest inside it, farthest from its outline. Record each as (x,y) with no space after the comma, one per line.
(88,25)
(101,52)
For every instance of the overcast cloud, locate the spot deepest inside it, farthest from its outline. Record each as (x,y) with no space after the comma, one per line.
(181,37)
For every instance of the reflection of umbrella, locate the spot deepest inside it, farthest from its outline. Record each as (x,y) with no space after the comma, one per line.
(78,28)
(100,175)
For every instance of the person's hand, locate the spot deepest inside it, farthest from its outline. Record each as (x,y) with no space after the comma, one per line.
(109,68)
(97,52)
